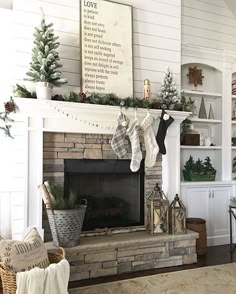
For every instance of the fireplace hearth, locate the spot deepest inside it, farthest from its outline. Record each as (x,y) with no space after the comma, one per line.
(115,195)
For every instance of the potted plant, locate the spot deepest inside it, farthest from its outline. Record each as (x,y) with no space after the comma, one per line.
(199,171)
(44,67)
(65,215)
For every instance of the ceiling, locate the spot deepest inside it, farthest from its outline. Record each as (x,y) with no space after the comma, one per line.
(6,4)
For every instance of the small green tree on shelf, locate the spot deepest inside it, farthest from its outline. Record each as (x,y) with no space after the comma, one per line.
(209,169)
(189,164)
(45,65)
(199,170)
(169,93)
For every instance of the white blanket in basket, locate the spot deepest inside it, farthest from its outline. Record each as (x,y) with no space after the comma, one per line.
(52,280)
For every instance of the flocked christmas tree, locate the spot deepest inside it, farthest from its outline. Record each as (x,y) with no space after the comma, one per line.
(45,65)
(169,94)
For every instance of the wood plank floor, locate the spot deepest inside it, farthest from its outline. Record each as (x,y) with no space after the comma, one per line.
(215,255)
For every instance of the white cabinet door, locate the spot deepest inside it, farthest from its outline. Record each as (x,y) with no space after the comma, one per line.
(218,211)
(210,203)
(196,201)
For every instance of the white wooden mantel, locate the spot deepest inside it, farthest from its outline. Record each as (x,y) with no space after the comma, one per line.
(56,116)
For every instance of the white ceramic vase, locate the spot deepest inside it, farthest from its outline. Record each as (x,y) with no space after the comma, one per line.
(44,90)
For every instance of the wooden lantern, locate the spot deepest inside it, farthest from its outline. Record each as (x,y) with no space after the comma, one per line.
(158,205)
(177,216)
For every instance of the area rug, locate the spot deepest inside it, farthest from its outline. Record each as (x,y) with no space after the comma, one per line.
(219,279)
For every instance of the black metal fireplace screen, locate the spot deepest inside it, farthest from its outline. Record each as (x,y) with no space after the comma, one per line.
(115,195)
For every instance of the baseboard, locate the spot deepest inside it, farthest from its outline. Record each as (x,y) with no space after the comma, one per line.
(218,240)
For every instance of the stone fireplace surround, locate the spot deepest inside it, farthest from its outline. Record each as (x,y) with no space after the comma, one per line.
(60,146)
(100,255)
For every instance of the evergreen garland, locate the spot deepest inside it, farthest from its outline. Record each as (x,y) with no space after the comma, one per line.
(21,91)
(108,99)
(10,106)
(45,65)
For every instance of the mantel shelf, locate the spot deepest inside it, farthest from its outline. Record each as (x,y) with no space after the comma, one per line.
(60,116)
(205,94)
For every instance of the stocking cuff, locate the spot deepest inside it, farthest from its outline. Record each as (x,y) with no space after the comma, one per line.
(122,118)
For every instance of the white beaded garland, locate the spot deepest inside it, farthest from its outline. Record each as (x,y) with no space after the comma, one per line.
(84,121)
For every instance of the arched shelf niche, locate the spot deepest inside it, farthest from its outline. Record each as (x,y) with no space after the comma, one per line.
(211,81)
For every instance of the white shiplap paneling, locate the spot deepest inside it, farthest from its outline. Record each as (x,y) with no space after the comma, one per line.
(156,38)
(208,23)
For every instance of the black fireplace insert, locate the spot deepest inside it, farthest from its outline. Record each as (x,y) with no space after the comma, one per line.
(115,195)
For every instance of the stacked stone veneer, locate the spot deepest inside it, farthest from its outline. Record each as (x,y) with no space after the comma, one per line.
(60,146)
(130,252)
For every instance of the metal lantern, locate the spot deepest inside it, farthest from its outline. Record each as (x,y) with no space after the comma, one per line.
(177,216)
(157,205)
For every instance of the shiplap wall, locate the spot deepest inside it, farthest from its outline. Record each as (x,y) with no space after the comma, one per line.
(156,38)
(156,44)
(12,151)
(208,23)
(13,157)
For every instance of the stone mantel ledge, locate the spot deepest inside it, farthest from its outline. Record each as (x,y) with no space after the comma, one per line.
(125,240)
(60,116)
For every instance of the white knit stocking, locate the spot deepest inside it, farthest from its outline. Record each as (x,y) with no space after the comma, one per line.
(151,146)
(133,133)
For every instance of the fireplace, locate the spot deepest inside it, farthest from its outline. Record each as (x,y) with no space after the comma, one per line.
(87,165)
(115,195)
(55,134)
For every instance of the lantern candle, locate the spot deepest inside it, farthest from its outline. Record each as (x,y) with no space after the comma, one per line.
(157,221)
(177,213)
(157,205)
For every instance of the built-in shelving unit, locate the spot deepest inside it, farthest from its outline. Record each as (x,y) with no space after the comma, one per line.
(211,129)
(210,200)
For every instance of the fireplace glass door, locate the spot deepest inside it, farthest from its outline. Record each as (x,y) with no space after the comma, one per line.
(115,195)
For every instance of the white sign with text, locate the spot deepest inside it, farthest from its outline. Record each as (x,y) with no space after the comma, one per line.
(106,48)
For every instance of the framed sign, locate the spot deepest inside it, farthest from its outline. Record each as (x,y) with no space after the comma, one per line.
(106,48)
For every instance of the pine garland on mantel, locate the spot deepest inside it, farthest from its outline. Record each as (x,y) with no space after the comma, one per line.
(108,99)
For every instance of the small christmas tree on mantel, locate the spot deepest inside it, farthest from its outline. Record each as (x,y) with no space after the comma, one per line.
(44,67)
(169,93)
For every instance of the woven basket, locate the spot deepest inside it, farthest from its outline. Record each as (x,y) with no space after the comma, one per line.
(8,279)
(66,225)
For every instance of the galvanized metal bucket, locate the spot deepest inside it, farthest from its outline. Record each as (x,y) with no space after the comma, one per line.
(66,225)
